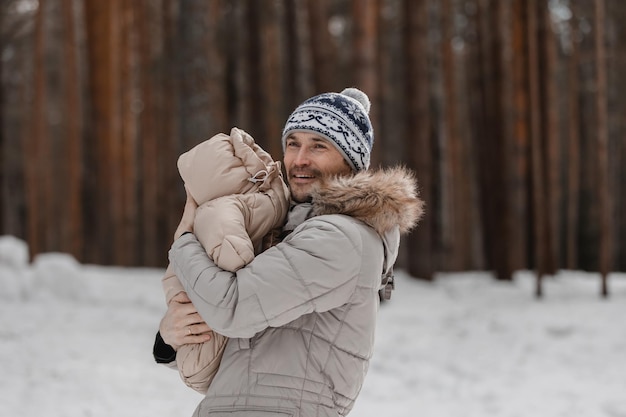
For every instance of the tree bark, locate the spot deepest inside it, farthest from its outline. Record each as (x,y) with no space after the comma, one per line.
(603,188)
(322,46)
(103,42)
(538,190)
(517,149)
(271,105)
(364,60)
(392,92)
(37,180)
(72,221)
(421,241)
(552,149)
(573,152)
(454,232)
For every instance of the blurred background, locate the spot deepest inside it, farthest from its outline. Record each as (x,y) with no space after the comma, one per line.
(511,113)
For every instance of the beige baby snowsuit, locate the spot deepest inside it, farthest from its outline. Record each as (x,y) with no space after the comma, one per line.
(241,197)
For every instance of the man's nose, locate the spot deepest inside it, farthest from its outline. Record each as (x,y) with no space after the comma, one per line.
(302,157)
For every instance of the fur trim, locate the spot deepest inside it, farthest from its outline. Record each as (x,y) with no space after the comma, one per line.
(383,199)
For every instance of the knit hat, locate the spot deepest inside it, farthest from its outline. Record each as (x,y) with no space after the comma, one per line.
(342,118)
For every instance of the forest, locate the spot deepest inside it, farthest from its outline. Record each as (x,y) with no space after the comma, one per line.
(510,112)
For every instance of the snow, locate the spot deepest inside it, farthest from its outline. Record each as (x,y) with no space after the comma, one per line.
(76,340)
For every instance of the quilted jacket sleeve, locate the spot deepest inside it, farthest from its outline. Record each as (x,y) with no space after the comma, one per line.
(171,284)
(316,268)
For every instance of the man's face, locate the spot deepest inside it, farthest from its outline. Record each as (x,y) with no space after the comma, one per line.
(308,158)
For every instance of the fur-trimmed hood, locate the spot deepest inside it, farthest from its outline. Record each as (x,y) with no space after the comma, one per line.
(383,198)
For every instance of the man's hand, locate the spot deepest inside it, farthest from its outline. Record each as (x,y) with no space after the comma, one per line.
(182,324)
(189,214)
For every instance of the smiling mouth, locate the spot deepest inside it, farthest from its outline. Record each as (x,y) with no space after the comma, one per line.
(303,176)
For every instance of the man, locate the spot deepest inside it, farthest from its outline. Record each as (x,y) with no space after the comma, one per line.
(301,316)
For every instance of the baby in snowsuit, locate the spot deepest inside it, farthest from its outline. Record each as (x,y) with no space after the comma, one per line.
(241,197)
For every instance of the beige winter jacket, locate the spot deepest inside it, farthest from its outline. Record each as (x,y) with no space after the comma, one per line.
(241,196)
(301,316)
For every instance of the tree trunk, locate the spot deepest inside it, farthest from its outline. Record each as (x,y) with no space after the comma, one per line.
(421,241)
(37,180)
(551,151)
(392,99)
(72,222)
(603,188)
(321,46)
(103,45)
(454,233)
(573,152)
(364,61)
(172,193)
(489,121)
(271,71)
(538,190)
(517,149)
(300,74)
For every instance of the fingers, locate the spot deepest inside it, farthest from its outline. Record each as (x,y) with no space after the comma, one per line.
(173,326)
(194,331)
(190,330)
(181,298)
(185,311)
(200,328)
(182,324)
(194,319)
(198,338)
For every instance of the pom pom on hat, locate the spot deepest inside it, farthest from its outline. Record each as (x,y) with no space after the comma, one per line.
(342,118)
(359,96)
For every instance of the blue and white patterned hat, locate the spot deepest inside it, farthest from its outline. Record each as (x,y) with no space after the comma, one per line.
(342,118)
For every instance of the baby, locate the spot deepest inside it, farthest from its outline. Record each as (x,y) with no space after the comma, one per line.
(241,197)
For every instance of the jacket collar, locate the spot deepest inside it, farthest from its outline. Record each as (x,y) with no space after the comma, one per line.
(297,214)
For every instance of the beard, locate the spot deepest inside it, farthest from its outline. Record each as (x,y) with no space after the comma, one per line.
(301,193)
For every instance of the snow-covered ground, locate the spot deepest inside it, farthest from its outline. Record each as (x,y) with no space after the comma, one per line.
(76,340)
